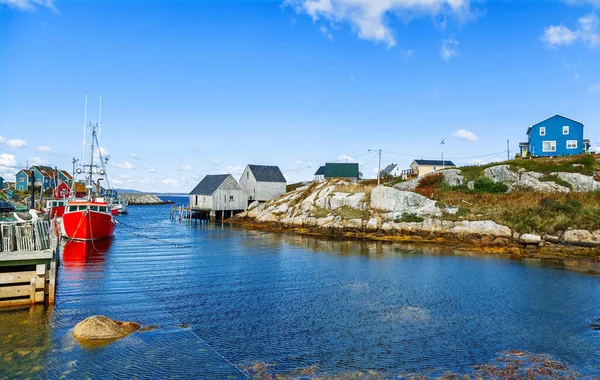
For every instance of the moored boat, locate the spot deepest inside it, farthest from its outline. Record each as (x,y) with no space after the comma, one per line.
(90,218)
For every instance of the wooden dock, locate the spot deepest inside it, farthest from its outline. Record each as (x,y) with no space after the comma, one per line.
(28,263)
(187,214)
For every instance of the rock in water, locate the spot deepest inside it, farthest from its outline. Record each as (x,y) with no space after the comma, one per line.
(100,327)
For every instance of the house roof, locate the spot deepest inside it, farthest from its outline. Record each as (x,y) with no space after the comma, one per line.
(388,169)
(343,170)
(27,172)
(45,171)
(209,184)
(557,115)
(79,187)
(435,162)
(320,170)
(66,174)
(263,173)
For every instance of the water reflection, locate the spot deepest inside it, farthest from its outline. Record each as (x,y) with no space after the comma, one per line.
(77,254)
(25,339)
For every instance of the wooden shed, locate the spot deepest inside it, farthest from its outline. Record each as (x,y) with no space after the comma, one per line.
(262,182)
(220,195)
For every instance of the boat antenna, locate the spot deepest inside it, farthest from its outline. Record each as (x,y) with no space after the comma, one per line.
(84,128)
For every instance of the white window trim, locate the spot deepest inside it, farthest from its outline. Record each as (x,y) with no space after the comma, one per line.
(567,129)
(572,147)
(548,141)
(543,129)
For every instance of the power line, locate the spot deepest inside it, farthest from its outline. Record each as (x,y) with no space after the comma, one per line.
(448,158)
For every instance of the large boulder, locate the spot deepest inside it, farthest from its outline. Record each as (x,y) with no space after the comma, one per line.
(391,200)
(531,180)
(500,173)
(481,227)
(583,238)
(101,327)
(579,182)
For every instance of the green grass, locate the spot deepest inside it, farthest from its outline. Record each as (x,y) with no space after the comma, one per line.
(540,165)
(320,212)
(347,212)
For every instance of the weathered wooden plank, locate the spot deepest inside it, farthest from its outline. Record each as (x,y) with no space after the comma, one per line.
(13,303)
(15,291)
(40,282)
(16,277)
(40,269)
(39,296)
(52,281)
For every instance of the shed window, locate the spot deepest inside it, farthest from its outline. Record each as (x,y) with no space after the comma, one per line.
(20,179)
(247,174)
(542,131)
(571,144)
(231,197)
(566,130)
(549,146)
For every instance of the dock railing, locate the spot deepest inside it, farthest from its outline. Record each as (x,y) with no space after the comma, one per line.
(28,263)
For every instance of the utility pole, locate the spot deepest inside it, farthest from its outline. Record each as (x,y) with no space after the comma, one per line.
(443,162)
(507,149)
(379,167)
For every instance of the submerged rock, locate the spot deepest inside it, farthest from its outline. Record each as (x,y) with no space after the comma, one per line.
(101,327)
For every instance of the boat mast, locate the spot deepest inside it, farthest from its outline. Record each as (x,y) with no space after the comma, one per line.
(84,132)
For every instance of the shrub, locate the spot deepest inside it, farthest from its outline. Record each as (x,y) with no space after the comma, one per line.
(486,185)
(320,212)
(556,180)
(430,181)
(410,217)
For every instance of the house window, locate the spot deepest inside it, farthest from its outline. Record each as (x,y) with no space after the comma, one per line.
(231,197)
(20,179)
(248,175)
(571,144)
(434,168)
(566,130)
(549,146)
(542,131)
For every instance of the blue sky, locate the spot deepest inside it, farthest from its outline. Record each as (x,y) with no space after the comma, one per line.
(196,87)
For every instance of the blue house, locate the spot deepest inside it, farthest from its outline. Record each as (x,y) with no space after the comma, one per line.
(45,176)
(1,183)
(555,136)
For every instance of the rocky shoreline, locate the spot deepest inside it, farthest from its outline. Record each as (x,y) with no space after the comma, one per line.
(388,214)
(143,199)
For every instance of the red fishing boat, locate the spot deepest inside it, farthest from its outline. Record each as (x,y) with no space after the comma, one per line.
(90,218)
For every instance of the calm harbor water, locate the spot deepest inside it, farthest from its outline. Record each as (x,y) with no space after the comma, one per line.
(215,294)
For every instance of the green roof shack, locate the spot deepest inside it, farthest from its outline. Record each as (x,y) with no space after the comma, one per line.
(341,170)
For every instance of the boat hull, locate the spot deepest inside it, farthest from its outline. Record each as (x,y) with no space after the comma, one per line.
(87,225)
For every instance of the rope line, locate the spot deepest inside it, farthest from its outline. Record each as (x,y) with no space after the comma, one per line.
(176,245)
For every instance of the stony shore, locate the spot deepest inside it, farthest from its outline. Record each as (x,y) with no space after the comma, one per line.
(386,213)
(143,199)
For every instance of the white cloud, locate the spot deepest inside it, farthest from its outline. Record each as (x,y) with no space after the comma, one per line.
(594,88)
(29,5)
(406,53)
(186,167)
(170,182)
(233,170)
(558,35)
(448,49)
(13,143)
(43,149)
(324,31)
(586,32)
(123,165)
(38,161)
(346,158)
(214,162)
(134,156)
(368,18)
(150,169)
(465,134)
(595,3)
(8,160)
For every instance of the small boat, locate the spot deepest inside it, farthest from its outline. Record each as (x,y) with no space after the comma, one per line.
(55,208)
(90,218)
(120,205)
